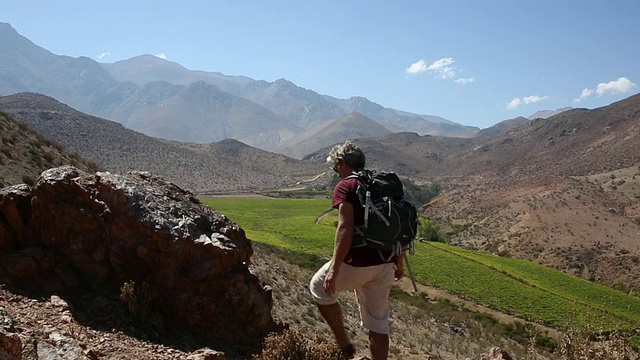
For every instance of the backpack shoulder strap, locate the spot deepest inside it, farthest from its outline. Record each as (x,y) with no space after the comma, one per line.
(365,177)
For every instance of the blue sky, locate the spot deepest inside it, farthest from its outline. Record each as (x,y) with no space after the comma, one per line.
(473,62)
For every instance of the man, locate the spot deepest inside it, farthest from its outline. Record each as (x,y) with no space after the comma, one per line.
(362,268)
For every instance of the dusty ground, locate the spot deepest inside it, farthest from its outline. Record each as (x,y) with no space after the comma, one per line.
(101,328)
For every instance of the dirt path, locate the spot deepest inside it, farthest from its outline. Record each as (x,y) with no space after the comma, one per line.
(435,293)
(234,196)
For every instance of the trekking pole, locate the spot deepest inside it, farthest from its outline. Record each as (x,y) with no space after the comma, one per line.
(406,261)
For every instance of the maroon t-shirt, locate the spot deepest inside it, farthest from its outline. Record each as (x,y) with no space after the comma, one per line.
(345,191)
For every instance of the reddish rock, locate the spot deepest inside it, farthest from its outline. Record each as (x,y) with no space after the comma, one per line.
(10,344)
(99,231)
(14,209)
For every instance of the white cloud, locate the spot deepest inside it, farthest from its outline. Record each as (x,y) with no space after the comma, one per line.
(622,85)
(585,94)
(533,99)
(417,67)
(442,68)
(464,80)
(513,104)
(162,56)
(103,55)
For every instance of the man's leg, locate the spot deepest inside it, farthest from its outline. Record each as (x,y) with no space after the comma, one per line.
(329,307)
(378,345)
(373,301)
(332,314)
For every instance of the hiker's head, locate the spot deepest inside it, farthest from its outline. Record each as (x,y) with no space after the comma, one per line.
(347,153)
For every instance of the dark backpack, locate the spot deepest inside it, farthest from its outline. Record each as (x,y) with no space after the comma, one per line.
(391,220)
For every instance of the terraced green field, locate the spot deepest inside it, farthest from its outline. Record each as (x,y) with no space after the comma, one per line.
(517,287)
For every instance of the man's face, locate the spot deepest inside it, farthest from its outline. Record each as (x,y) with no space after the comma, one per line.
(336,166)
(342,169)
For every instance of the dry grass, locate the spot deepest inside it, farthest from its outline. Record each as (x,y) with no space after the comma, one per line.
(293,345)
(139,299)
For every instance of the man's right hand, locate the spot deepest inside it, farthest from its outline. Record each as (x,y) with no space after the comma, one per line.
(329,284)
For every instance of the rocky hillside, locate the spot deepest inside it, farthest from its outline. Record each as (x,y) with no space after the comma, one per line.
(502,127)
(118,149)
(561,191)
(25,153)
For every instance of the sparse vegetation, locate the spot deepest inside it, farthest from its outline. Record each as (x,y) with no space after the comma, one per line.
(25,153)
(139,299)
(292,345)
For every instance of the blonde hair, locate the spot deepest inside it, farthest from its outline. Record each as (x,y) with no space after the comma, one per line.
(348,152)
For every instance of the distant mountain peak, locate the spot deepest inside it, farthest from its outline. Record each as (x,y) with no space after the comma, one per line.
(543,114)
(354,125)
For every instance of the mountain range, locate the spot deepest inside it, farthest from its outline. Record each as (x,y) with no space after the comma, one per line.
(163,99)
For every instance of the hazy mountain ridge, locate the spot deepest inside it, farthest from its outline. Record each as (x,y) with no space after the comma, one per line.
(128,92)
(218,115)
(543,114)
(146,69)
(502,127)
(351,126)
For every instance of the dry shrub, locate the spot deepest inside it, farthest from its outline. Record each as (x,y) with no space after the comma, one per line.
(589,345)
(138,298)
(292,345)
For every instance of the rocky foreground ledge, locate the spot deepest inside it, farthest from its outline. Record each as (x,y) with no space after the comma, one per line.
(182,265)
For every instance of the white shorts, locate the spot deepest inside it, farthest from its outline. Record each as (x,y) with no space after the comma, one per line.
(371,284)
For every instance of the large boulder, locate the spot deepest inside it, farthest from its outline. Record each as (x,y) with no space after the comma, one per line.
(74,231)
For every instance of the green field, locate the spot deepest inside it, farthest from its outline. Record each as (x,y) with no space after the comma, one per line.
(517,287)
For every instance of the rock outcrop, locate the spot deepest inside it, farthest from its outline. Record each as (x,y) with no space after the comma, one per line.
(150,241)
(495,353)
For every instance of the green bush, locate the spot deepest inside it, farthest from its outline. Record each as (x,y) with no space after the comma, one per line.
(430,231)
(420,195)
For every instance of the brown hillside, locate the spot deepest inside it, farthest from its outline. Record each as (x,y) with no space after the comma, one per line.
(119,149)
(24,154)
(561,191)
